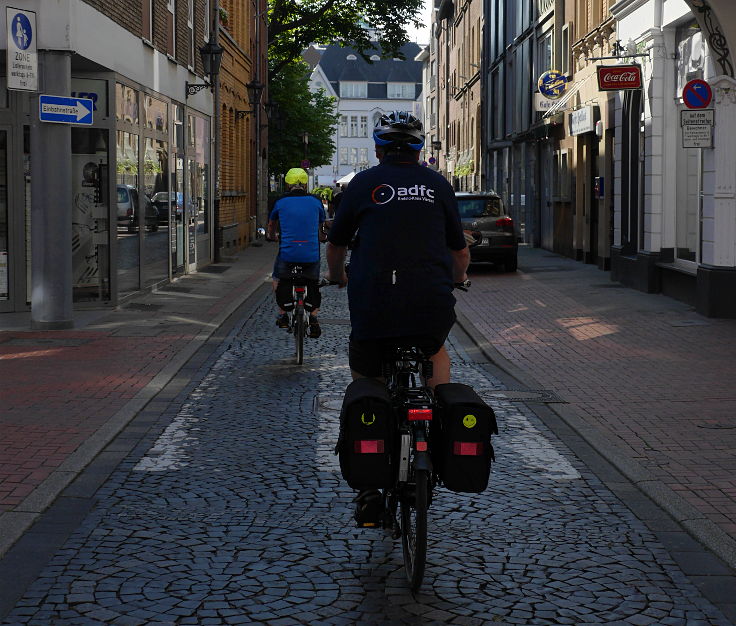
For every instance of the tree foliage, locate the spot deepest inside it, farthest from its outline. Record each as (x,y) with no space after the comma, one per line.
(295,24)
(298,110)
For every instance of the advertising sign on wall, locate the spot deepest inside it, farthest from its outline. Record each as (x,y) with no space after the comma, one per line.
(616,77)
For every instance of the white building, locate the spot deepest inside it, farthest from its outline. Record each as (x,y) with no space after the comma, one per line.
(674,205)
(363,91)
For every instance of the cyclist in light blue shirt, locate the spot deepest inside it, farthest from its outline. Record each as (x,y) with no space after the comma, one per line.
(298,217)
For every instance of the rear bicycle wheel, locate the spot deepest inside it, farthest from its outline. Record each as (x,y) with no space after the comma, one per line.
(299,335)
(414,529)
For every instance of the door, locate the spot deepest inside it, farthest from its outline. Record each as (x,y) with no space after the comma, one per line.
(547,225)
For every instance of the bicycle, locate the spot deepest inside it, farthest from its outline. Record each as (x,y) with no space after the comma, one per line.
(299,315)
(406,370)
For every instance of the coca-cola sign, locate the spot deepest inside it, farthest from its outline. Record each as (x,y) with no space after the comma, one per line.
(615,77)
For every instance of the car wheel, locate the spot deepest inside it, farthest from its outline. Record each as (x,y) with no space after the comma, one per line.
(511,264)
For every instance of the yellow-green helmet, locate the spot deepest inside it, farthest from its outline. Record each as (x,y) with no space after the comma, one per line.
(295,176)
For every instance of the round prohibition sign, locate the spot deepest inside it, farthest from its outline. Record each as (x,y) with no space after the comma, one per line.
(697,94)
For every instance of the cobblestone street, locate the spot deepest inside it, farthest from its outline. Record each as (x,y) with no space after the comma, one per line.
(231,510)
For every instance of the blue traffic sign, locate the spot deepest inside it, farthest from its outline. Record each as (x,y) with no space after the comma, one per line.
(697,94)
(63,110)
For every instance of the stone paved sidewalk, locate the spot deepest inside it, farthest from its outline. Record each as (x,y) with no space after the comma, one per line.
(645,378)
(65,394)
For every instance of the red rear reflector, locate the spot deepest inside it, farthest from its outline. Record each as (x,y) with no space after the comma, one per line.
(300,289)
(369,446)
(421,446)
(504,221)
(419,414)
(468,448)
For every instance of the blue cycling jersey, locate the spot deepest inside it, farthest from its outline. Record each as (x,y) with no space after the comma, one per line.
(401,269)
(300,216)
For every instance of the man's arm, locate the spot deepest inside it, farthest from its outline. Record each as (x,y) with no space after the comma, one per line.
(271,231)
(460,262)
(336,256)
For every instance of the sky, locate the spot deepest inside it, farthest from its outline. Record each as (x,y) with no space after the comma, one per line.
(422,35)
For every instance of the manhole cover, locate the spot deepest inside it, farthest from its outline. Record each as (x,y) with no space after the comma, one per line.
(525,395)
(46,341)
(215,269)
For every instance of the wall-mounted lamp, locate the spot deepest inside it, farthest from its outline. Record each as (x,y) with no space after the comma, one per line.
(211,53)
(255,89)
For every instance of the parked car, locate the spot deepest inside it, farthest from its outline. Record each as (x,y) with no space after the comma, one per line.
(489,229)
(162,199)
(129,199)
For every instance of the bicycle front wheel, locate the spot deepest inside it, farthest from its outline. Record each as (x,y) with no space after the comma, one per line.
(299,336)
(414,529)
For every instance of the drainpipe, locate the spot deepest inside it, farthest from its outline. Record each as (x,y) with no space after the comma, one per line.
(218,130)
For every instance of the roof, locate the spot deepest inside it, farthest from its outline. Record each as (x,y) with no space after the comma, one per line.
(336,66)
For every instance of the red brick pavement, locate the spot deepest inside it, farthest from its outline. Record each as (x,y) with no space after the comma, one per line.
(54,394)
(646,369)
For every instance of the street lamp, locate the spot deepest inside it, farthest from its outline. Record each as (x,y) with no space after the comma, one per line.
(255,89)
(211,53)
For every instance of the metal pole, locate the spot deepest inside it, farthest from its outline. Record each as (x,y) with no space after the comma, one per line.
(51,203)
(216,257)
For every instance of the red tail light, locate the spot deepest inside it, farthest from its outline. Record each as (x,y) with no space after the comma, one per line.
(416,415)
(505,222)
(421,446)
(468,448)
(369,446)
(300,289)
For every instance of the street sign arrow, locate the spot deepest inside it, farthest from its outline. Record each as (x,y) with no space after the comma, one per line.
(63,110)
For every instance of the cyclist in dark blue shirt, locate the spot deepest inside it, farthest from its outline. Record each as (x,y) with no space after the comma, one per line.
(298,216)
(408,252)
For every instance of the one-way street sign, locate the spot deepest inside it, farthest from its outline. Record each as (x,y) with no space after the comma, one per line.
(63,110)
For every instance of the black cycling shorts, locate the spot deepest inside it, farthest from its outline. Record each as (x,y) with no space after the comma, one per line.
(365,357)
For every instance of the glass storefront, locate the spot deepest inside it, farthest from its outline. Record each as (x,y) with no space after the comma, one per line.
(128,210)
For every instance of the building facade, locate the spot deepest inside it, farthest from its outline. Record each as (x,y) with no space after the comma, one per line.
(76,220)
(363,92)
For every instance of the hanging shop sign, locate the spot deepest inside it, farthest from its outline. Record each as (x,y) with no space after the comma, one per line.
(617,77)
(541,103)
(22,56)
(552,84)
(582,120)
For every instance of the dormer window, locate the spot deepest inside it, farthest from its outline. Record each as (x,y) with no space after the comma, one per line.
(351,57)
(350,89)
(375,57)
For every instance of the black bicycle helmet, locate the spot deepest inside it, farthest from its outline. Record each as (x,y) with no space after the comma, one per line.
(399,129)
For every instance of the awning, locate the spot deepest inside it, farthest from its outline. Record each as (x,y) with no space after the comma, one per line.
(345,179)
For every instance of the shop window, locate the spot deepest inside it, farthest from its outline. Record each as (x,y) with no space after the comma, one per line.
(156,114)
(126,104)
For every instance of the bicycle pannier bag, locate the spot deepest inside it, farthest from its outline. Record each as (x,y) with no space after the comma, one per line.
(461,446)
(366,446)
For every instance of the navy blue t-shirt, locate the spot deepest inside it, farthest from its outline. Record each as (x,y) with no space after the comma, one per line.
(401,269)
(299,216)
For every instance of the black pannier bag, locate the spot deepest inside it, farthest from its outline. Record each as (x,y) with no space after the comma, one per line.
(367,443)
(461,438)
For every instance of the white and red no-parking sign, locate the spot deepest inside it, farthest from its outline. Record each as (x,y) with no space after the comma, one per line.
(697,94)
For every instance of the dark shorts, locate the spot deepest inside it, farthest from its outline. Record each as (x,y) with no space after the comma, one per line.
(282,269)
(366,357)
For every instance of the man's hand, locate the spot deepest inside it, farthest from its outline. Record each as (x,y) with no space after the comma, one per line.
(336,263)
